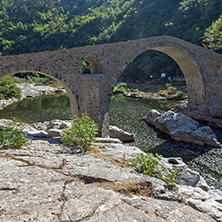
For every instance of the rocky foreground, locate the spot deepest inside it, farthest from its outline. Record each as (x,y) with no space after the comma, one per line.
(47,181)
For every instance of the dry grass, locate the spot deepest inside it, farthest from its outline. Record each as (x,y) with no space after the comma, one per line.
(100,155)
(128,188)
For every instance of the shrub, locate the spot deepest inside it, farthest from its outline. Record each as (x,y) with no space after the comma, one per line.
(13,136)
(124,88)
(171,177)
(82,132)
(8,89)
(179,95)
(147,164)
(162,93)
(171,90)
(120,88)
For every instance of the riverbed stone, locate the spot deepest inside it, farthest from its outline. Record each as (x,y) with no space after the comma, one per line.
(59,124)
(188,177)
(215,195)
(172,163)
(165,210)
(108,140)
(203,184)
(54,132)
(124,136)
(182,128)
(213,208)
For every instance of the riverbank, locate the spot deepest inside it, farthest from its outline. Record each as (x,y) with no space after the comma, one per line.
(157,90)
(47,181)
(147,91)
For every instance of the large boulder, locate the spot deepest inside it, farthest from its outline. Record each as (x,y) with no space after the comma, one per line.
(124,136)
(182,128)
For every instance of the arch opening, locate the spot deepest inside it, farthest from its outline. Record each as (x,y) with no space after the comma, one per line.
(95,65)
(191,71)
(185,61)
(86,67)
(50,79)
(148,66)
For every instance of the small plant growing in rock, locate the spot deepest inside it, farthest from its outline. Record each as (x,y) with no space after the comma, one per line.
(13,136)
(82,132)
(171,177)
(147,164)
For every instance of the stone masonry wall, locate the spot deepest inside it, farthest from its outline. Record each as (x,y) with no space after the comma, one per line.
(201,68)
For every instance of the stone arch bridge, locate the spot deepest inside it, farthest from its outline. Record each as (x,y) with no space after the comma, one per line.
(202,69)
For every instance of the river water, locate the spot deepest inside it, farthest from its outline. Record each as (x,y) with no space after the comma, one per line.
(127,114)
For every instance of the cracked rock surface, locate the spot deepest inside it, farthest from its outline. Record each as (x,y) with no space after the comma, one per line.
(44,182)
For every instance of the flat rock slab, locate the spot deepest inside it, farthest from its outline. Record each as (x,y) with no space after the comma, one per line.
(95,204)
(42,182)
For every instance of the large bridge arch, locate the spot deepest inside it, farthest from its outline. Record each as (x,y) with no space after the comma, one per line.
(185,59)
(72,95)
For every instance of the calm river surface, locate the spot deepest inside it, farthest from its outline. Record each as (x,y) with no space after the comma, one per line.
(127,113)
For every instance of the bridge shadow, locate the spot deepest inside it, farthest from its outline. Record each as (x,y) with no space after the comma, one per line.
(44,137)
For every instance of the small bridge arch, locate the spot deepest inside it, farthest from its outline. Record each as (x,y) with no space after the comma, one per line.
(73,101)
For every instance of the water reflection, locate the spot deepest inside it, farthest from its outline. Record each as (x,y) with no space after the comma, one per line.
(39,109)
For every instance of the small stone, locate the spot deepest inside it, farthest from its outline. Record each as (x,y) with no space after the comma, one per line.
(54,132)
(188,177)
(124,136)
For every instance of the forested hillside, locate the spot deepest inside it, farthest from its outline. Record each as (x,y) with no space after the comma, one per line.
(37,25)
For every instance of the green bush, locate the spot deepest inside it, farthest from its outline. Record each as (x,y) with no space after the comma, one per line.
(179,95)
(171,177)
(82,132)
(171,90)
(8,89)
(124,88)
(147,164)
(13,136)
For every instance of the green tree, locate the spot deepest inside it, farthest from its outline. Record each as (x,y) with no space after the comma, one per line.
(213,36)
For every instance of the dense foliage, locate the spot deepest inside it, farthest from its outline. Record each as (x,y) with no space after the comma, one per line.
(13,136)
(213,36)
(124,88)
(35,78)
(8,89)
(33,26)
